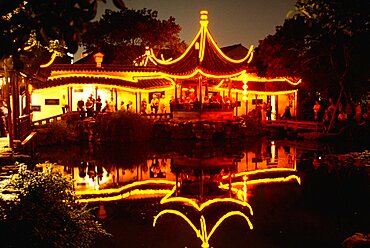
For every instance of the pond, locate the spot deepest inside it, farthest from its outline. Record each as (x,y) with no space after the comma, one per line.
(255,193)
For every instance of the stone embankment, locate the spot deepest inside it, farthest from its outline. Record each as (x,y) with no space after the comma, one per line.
(102,130)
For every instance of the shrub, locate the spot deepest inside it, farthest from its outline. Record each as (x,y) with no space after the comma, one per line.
(45,213)
(125,127)
(56,133)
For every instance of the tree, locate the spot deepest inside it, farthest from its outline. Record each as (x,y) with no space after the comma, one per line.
(345,28)
(123,35)
(325,44)
(45,213)
(32,33)
(293,52)
(31,28)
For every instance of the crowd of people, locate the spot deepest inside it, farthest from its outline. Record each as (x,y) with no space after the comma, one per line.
(91,107)
(191,102)
(327,112)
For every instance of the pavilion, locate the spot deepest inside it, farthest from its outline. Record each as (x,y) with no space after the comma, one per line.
(202,71)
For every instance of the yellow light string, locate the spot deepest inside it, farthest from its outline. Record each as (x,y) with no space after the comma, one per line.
(249,55)
(260,171)
(178,213)
(133,79)
(205,74)
(147,193)
(125,187)
(164,62)
(204,205)
(202,35)
(53,56)
(264,181)
(202,233)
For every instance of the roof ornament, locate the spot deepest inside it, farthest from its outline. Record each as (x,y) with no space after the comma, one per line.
(98,59)
(204,18)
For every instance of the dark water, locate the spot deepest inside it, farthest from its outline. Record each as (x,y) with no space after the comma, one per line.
(266,193)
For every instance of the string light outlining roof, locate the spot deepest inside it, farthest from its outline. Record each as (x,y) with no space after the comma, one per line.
(204,57)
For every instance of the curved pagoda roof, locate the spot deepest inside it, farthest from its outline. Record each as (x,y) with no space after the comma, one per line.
(204,57)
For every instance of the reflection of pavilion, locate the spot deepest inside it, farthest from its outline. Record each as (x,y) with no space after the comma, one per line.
(203,187)
(199,168)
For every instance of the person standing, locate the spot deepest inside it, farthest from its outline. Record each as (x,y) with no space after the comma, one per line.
(81,108)
(64,104)
(287,115)
(358,112)
(3,132)
(130,108)
(154,104)
(143,106)
(98,104)
(268,110)
(89,108)
(162,104)
(107,108)
(316,110)
(122,106)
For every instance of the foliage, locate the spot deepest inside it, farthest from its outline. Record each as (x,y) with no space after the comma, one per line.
(123,35)
(325,43)
(293,52)
(60,132)
(45,213)
(124,127)
(31,29)
(345,31)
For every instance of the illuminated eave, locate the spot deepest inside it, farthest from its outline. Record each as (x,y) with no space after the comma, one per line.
(126,187)
(264,181)
(133,79)
(53,56)
(276,93)
(199,44)
(200,207)
(106,195)
(199,72)
(261,171)
(202,233)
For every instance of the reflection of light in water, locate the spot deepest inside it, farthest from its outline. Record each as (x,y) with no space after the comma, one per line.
(200,207)
(265,181)
(105,194)
(202,234)
(245,188)
(247,173)
(273,151)
(128,186)
(135,192)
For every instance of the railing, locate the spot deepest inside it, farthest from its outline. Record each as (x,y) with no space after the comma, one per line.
(204,107)
(29,144)
(47,120)
(295,125)
(23,127)
(159,116)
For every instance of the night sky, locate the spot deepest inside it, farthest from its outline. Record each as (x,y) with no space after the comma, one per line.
(230,21)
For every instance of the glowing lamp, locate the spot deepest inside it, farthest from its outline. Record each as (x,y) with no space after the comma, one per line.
(98,59)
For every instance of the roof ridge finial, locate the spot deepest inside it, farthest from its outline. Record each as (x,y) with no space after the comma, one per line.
(203,17)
